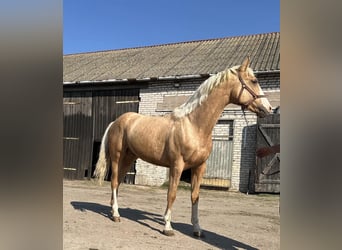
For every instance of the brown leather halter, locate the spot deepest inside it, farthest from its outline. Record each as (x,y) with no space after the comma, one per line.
(244,106)
(245,87)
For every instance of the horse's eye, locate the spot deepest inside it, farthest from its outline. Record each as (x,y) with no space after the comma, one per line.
(255,81)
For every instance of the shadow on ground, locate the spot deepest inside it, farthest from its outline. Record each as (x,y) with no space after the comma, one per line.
(140,216)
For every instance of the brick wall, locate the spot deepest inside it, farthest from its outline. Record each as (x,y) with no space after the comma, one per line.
(244,146)
(269,81)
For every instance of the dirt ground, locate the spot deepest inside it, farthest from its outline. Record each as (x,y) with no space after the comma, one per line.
(229,220)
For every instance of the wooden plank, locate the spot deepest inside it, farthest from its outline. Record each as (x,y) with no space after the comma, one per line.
(108,105)
(125,102)
(71,138)
(267,188)
(270,125)
(264,134)
(267,172)
(77,134)
(216,182)
(267,169)
(219,163)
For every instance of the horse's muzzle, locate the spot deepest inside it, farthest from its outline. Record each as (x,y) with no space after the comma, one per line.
(263,112)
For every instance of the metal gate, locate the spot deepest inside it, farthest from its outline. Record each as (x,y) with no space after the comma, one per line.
(267,172)
(219,163)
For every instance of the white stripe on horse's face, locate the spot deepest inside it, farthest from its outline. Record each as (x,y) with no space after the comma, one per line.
(264,100)
(115,205)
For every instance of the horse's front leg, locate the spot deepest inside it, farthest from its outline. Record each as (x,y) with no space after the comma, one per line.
(196,178)
(175,174)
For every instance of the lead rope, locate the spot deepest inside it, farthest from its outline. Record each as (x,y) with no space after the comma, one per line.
(244,145)
(245,134)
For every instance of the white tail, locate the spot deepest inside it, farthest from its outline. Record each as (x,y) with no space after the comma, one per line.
(103,162)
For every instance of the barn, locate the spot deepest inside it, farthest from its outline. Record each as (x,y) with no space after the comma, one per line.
(153,80)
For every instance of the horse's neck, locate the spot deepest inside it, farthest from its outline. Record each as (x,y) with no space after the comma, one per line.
(205,116)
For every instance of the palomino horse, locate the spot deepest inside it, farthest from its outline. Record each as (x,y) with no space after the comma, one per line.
(180,140)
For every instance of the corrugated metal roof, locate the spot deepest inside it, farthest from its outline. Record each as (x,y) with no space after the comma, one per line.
(186,58)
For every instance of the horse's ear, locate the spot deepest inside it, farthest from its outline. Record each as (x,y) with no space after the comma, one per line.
(245,64)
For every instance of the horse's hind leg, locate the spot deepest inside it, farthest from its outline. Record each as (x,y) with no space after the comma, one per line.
(196,178)
(115,186)
(125,164)
(119,171)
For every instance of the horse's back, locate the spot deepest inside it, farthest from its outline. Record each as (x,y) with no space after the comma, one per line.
(124,120)
(127,116)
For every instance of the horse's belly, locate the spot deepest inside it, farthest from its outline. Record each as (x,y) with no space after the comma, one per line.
(154,160)
(149,149)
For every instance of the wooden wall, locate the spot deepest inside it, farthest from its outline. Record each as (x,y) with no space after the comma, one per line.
(86,116)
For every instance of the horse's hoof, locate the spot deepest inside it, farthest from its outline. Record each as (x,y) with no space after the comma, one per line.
(116,218)
(169,232)
(199,234)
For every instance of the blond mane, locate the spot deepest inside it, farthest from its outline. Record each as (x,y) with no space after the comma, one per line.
(203,91)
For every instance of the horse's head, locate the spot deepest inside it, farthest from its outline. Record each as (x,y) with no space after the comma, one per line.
(247,92)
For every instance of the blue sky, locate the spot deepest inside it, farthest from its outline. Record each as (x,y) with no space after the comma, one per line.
(95,25)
